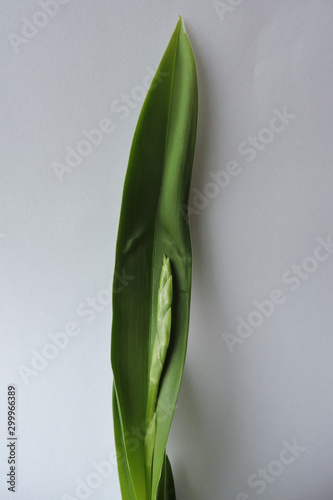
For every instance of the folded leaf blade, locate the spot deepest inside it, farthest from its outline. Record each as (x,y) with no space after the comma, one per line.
(151,226)
(166,487)
(176,184)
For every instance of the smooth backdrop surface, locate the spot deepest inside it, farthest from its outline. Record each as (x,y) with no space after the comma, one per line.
(254,416)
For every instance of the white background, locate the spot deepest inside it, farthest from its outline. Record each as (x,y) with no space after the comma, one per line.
(58,235)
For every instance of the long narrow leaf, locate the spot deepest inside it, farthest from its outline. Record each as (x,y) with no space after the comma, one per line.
(153,225)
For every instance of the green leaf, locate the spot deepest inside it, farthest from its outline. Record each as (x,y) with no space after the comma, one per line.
(149,450)
(166,487)
(152,225)
(122,461)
